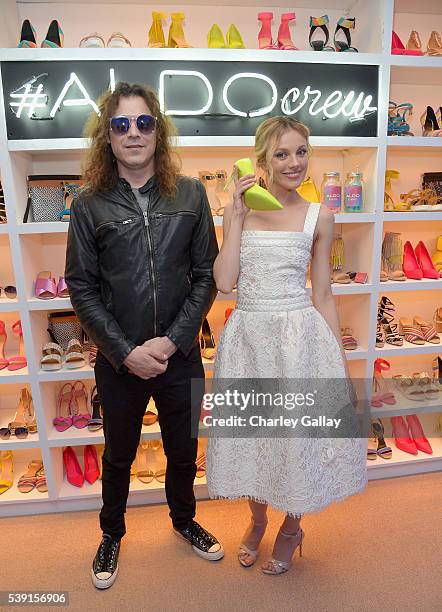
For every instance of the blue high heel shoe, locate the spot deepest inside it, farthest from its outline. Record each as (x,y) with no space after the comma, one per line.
(397,119)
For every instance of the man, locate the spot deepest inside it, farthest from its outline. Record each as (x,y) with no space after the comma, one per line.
(140,253)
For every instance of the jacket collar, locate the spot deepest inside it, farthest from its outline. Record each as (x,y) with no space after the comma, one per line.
(152,182)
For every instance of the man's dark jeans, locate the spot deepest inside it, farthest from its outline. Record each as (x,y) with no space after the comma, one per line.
(124,398)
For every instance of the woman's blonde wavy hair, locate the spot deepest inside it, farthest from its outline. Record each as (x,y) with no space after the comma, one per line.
(267,137)
(100,169)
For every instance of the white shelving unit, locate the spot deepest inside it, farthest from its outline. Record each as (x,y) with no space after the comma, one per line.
(34,246)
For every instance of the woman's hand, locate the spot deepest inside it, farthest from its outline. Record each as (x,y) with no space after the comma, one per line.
(241,185)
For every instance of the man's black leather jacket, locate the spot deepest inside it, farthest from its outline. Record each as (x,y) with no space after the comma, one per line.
(133,277)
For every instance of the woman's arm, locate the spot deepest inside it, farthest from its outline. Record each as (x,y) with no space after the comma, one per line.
(226,266)
(322,296)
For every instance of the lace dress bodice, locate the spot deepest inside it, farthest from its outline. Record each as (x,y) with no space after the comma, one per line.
(273,267)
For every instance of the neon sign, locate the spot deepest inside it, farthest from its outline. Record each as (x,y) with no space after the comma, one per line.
(352,105)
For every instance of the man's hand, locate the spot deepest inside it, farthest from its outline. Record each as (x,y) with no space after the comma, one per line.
(146,362)
(162,344)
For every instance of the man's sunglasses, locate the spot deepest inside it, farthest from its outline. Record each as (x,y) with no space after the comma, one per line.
(121,125)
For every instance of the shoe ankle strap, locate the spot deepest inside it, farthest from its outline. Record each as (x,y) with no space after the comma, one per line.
(319,21)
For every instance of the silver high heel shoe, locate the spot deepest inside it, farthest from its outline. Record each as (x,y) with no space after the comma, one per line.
(244,551)
(275,567)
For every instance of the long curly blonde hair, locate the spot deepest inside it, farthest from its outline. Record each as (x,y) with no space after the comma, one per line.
(100,171)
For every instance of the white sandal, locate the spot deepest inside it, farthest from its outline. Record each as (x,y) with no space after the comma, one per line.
(118,40)
(93,41)
(52,357)
(74,355)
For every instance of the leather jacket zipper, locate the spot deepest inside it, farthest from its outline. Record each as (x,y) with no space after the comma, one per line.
(149,241)
(152,268)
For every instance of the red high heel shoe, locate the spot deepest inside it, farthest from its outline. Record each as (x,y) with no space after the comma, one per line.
(265,34)
(72,467)
(398,47)
(402,437)
(410,265)
(424,261)
(284,38)
(417,432)
(91,468)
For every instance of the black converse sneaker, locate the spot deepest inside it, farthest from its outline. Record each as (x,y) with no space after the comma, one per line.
(105,565)
(203,543)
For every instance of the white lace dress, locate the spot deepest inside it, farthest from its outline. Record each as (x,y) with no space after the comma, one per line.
(275,332)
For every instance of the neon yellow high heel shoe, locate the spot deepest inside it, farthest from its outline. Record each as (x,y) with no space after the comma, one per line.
(391,203)
(234,38)
(307,190)
(256,197)
(215,38)
(6,469)
(176,32)
(156,33)
(437,255)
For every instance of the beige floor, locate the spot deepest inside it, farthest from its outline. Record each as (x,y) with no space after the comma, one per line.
(380,550)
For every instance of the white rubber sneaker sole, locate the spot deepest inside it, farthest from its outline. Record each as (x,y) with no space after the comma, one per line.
(210,556)
(103,583)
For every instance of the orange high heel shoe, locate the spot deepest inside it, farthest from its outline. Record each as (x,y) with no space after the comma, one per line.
(434,45)
(414,43)
(176,32)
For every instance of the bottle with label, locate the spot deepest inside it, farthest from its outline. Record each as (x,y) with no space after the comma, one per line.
(331,191)
(354,192)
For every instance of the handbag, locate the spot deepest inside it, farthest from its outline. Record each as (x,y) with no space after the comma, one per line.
(65,326)
(47,195)
(433,181)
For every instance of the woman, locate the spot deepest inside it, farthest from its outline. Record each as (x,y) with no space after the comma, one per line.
(276,331)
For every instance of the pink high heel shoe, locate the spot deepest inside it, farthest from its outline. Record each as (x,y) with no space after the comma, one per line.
(381,395)
(265,34)
(18,361)
(3,337)
(45,286)
(284,39)
(79,419)
(402,437)
(61,423)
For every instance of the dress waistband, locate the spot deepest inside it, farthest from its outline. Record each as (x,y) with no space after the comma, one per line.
(274,304)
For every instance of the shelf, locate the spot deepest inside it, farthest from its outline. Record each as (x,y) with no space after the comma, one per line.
(419,62)
(359,353)
(403,463)
(80,437)
(68,491)
(189,54)
(71,144)
(426,284)
(31,441)
(311,4)
(7,305)
(13,495)
(414,142)
(404,406)
(53,304)
(347,289)
(413,216)
(13,378)
(408,349)
(51,227)
(84,373)
(355,218)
